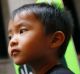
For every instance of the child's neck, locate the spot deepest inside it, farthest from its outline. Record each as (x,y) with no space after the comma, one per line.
(44,67)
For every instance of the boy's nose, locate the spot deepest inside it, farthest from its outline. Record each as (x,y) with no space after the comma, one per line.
(14,42)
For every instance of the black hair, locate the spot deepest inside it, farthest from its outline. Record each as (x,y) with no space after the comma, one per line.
(52,18)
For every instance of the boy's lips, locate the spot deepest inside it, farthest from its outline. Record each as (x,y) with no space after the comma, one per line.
(14,52)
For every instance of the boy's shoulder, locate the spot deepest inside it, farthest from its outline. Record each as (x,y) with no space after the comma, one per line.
(59,69)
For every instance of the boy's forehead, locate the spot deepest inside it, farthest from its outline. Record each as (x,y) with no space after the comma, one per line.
(10,25)
(26,16)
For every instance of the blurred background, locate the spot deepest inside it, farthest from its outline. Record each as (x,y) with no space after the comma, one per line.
(7,6)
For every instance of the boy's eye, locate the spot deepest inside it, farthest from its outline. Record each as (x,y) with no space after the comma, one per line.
(23,30)
(9,37)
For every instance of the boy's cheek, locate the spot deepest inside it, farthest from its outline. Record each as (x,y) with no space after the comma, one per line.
(9,50)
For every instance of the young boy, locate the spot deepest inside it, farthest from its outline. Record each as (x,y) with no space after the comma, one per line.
(38,36)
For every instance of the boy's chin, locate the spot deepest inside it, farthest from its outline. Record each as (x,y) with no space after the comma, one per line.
(19,62)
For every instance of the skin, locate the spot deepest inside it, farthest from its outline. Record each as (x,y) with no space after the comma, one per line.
(29,44)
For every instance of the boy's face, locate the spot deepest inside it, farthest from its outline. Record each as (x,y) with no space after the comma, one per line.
(27,39)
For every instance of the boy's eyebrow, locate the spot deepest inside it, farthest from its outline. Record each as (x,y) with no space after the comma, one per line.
(20,25)
(26,24)
(9,31)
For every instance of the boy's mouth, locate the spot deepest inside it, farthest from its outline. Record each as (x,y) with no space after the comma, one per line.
(14,52)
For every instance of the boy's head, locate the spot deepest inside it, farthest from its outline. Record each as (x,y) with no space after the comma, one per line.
(37,31)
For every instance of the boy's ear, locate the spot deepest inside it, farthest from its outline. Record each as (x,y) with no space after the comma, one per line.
(57,39)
